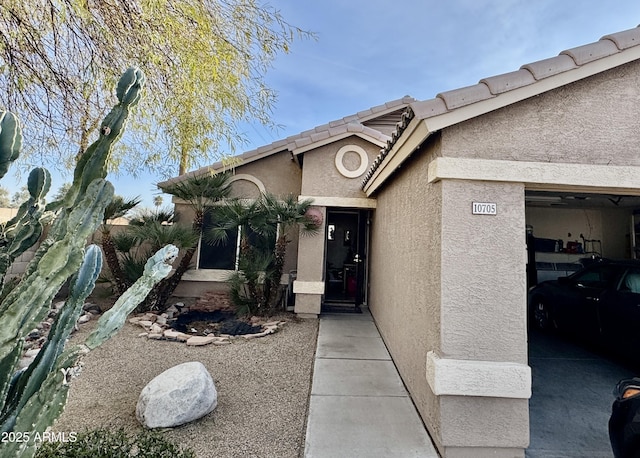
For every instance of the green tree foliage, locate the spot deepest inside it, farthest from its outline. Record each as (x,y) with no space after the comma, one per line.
(4,197)
(207,60)
(19,197)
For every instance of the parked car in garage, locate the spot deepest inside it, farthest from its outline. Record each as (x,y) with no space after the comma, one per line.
(599,303)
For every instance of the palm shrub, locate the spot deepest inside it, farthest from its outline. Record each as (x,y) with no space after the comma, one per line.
(31,399)
(117,208)
(146,233)
(266,226)
(200,193)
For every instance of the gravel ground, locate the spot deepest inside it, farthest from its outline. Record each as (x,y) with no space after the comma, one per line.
(263,389)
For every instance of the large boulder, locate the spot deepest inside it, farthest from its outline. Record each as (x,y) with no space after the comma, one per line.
(177,396)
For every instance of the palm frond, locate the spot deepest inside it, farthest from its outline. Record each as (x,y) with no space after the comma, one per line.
(199,190)
(119,206)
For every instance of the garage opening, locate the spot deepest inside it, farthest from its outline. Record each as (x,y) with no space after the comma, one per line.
(573,372)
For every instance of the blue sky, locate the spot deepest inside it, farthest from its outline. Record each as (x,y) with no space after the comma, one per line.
(368,52)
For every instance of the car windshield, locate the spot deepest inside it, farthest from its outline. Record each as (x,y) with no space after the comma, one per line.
(600,276)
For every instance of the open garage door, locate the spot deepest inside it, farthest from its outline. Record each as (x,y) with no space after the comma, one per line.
(573,379)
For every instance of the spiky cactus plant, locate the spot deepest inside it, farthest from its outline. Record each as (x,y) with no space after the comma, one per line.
(31,399)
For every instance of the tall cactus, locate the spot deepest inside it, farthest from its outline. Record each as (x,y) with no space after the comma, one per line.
(30,400)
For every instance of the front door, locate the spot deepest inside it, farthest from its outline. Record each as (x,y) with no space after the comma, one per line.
(345,266)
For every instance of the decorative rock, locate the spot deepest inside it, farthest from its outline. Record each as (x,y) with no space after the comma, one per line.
(150,317)
(176,335)
(221,341)
(155,335)
(177,396)
(85,318)
(143,334)
(24,362)
(92,308)
(145,323)
(161,320)
(253,336)
(156,329)
(32,352)
(200,340)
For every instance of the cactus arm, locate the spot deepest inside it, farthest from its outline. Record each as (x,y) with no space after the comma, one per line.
(30,381)
(10,140)
(38,414)
(7,376)
(24,230)
(157,267)
(53,263)
(93,162)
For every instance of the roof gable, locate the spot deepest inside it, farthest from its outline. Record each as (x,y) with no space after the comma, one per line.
(423,118)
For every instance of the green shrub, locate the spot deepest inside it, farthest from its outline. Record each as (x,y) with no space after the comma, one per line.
(103,443)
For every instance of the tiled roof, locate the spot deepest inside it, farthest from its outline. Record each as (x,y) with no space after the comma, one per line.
(304,141)
(494,86)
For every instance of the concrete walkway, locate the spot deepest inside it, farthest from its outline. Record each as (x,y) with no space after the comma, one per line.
(359,406)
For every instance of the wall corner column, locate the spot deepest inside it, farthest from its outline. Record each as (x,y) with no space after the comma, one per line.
(309,284)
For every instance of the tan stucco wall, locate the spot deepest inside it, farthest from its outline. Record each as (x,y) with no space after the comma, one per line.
(436,286)
(320,177)
(483,273)
(279,173)
(311,270)
(405,282)
(592,121)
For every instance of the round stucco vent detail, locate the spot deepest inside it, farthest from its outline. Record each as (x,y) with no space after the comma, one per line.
(343,153)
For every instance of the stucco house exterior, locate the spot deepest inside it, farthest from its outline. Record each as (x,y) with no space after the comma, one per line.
(425,207)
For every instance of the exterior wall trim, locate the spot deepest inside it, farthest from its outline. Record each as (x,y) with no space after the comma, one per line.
(364,161)
(353,202)
(218,275)
(308,287)
(454,377)
(246,177)
(539,175)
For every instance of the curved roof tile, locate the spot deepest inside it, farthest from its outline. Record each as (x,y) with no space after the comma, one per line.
(508,81)
(625,39)
(593,51)
(548,67)
(465,96)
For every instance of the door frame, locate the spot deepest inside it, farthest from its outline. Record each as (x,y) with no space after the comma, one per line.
(363,220)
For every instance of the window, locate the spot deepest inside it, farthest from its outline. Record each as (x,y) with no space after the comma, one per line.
(224,256)
(221,256)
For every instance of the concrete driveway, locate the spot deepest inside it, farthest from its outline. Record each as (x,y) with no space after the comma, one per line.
(571,401)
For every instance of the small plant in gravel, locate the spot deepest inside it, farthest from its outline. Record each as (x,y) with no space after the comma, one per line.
(103,443)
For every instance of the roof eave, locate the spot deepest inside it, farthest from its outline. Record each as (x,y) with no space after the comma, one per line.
(413,136)
(376,141)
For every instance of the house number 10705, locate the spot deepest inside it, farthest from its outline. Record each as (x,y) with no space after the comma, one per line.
(484,208)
